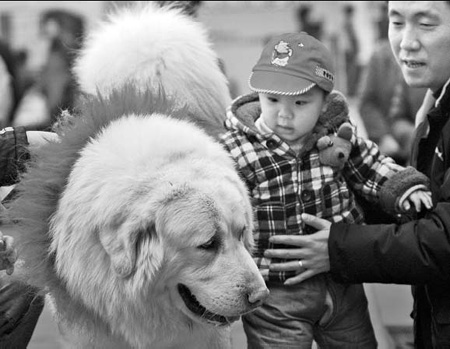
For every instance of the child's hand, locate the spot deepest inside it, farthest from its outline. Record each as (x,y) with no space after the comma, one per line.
(8,253)
(418,199)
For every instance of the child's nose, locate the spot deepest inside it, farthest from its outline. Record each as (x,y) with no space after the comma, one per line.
(285,113)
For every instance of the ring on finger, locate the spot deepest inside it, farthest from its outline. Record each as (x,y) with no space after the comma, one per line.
(300,263)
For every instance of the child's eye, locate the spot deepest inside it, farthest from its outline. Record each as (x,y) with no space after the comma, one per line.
(300,102)
(273,100)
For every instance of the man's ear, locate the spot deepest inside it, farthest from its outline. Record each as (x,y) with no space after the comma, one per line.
(121,245)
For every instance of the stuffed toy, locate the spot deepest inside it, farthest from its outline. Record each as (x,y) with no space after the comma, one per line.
(334,149)
(335,114)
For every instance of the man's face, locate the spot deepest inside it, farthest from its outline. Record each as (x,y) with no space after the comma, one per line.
(419,33)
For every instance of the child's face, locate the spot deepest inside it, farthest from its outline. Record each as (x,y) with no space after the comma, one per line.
(292,117)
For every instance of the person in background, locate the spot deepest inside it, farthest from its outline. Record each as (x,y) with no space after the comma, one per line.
(9,84)
(65,31)
(350,47)
(388,106)
(415,252)
(307,24)
(6,94)
(272,135)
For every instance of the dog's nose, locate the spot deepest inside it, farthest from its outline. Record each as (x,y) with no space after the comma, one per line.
(256,298)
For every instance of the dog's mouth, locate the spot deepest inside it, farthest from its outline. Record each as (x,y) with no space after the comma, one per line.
(195,307)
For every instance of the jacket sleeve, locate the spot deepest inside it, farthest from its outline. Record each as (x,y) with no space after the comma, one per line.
(367,169)
(378,178)
(415,252)
(13,154)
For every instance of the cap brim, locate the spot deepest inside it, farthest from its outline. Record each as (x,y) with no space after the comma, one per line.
(279,83)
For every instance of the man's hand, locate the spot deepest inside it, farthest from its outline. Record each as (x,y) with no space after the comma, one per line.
(38,138)
(312,251)
(8,254)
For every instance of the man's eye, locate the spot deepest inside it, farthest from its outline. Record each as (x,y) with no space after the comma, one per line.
(395,23)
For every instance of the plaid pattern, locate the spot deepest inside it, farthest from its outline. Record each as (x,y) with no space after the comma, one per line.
(283,186)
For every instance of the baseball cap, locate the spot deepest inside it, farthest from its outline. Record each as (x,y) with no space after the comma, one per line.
(292,64)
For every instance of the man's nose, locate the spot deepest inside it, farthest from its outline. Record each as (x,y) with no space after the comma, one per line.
(409,40)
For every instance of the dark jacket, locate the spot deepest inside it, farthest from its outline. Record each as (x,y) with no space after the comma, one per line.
(416,252)
(20,304)
(13,154)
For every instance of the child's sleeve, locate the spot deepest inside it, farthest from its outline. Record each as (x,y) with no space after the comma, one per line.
(401,184)
(377,177)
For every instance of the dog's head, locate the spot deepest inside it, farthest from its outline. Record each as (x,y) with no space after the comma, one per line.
(154,219)
(152,48)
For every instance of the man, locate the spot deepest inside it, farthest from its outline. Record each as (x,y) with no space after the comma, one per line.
(416,252)
(20,304)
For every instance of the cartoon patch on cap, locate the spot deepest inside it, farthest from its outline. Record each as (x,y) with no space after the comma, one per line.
(281,54)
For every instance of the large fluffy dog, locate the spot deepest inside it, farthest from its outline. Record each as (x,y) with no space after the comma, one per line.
(136,222)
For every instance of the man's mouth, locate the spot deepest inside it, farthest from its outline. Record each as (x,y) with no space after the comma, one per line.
(413,64)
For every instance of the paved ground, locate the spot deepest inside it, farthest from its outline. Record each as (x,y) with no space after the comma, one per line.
(390,306)
(46,334)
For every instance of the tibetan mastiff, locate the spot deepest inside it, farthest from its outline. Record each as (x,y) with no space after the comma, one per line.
(135,222)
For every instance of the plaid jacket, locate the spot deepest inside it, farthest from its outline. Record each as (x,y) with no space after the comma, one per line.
(283,184)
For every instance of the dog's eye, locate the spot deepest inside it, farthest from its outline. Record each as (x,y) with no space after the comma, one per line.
(241,235)
(211,244)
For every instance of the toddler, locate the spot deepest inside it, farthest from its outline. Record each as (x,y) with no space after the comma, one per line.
(272,135)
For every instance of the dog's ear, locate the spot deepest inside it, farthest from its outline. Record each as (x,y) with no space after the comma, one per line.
(120,245)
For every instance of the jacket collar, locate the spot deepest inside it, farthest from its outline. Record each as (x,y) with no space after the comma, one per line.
(442,97)
(247,110)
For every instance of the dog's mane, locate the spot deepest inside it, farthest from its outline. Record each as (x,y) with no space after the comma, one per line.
(38,192)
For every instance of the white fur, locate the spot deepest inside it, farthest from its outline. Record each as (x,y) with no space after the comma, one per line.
(171,187)
(152,47)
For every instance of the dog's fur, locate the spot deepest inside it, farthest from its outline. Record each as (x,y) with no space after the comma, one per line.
(136,222)
(155,48)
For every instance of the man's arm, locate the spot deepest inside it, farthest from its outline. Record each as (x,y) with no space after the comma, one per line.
(13,154)
(16,144)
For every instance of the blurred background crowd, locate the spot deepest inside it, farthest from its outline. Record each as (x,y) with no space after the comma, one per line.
(39,41)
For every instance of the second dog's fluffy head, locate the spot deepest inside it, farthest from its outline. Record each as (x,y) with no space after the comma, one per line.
(150,47)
